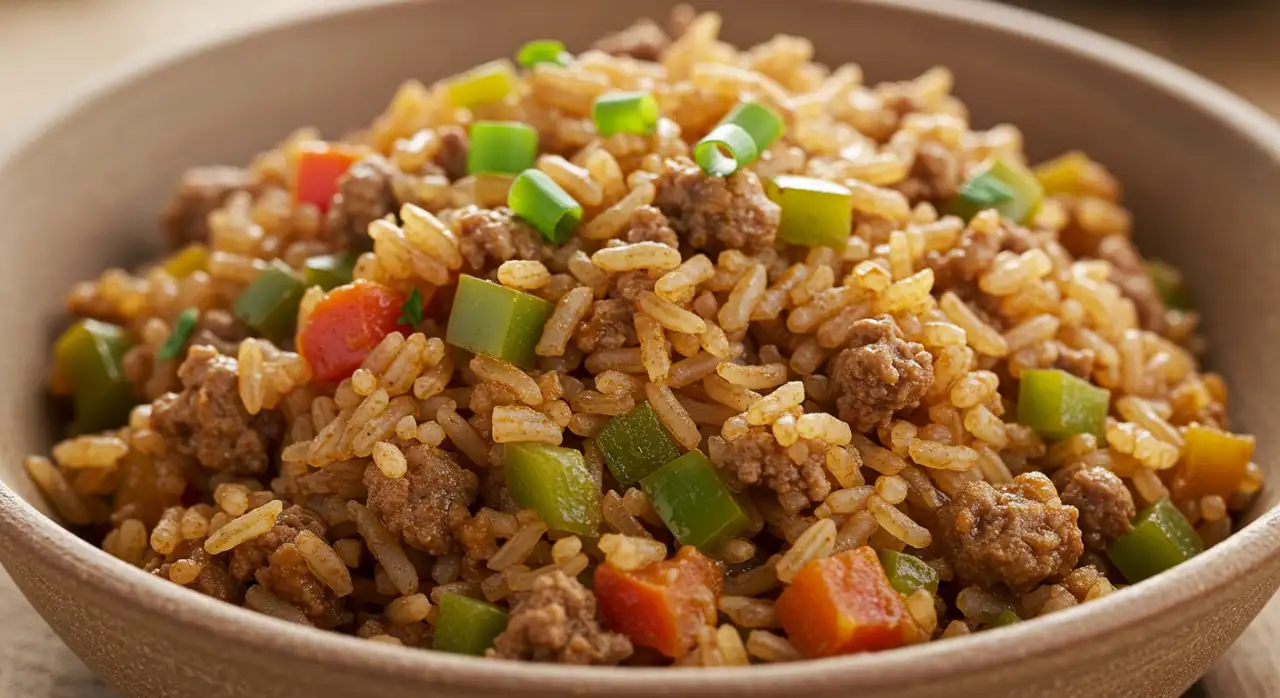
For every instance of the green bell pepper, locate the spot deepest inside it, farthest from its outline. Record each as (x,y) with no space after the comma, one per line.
(556,483)
(636,444)
(1161,538)
(91,356)
(1006,617)
(908,573)
(496,321)
(270,304)
(466,625)
(694,502)
(814,211)
(328,271)
(1057,404)
(1004,185)
(1169,284)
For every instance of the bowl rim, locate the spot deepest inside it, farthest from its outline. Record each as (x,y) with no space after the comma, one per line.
(1242,553)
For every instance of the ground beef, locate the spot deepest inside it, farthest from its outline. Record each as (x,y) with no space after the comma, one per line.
(758,457)
(1105,504)
(253,555)
(1077,362)
(649,225)
(628,285)
(960,265)
(1129,276)
(452,155)
(879,374)
(494,492)
(201,191)
(935,176)
(494,234)
(428,504)
(1015,537)
(717,213)
(288,577)
(644,40)
(556,622)
(221,330)
(365,194)
(213,579)
(208,422)
(609,326)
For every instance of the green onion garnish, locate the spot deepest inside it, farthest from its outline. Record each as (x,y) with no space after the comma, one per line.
(542,51)
(814,211)
(501,146)
(182,328)
(763,123)
(411,311)
(484,84)
(540,201)
(625,112)
(709,152)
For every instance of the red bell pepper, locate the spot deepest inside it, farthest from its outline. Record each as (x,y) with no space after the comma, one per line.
(843,604)
(315,179)
(346,325)
(663,604)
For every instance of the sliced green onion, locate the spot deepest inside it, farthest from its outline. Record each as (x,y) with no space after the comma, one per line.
(540,201)
(466,625)
(625,112)
(329,271)
(270,304)
(507,147)
(496,321)
(1057,404)
(484,84)
(763,123)
(710,153)
(182,328)
(1005,185)
(542,51)
(1161,538)
(814,211)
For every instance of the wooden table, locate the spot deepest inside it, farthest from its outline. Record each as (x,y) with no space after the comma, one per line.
(47,47)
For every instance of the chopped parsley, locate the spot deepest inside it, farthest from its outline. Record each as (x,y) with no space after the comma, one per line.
(411,311)
(182,329)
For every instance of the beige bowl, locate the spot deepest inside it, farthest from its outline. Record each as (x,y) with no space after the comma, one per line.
(80,193)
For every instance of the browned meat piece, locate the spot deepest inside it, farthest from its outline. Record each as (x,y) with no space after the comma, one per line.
(288,577)
(494,234)
(253,555)
(428,504)
(213,579)
(717,213)
(201,191)
(935,176)
(452,155)
(221,330)
(208,422)
(609,326)
(1105,504)
(1077,362)
(365,194)
(644,40)
(1128,274)
(628,285)
(556,622)
(494,492)
(649,225)
(1018,536)
(961,264)
(879,374)
(757,457)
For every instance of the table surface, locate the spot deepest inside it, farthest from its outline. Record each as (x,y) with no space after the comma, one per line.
(47,47)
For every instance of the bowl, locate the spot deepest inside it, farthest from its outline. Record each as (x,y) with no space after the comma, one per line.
(80,192)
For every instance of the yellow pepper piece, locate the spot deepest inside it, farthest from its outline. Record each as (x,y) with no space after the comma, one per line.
(1213,462)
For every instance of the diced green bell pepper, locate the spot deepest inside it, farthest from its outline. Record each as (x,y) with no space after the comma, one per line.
(1169,285)
(184,262)
(496,321)
(1057,404)
(270,304)
(908,573)
(814,211)
(1161,538)
(556,483)
(466,625)
(636,444)
(694,502)
(1003,184)
(1006,617)
(329,271)
(90,354)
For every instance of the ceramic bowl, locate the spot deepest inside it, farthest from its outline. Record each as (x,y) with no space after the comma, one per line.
(80,192)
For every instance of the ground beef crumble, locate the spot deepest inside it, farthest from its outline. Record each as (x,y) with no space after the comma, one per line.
(428,504)
(207,420)
(288,577)
(649,225)
(451,157)
(936,174)
(757,457)
(201,191)
(255,554)
(213,580)
(1106,506)
(365,194)
(717,213)
(494,234)
(1128,274)
(644,40)
(221,330)
(556,622)
(609,326)
(879,374)
(1014,537)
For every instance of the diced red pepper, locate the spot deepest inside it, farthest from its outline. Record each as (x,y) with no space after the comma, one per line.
(662,605)
(346,325)
(843,604)
(315,179)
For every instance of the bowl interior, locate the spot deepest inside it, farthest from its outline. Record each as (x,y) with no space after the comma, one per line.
(83,193)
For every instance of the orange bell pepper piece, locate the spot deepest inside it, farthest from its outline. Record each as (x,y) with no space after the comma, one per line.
(663,604)
(319,165)
(346,325)
(1213,462)
(844,604)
